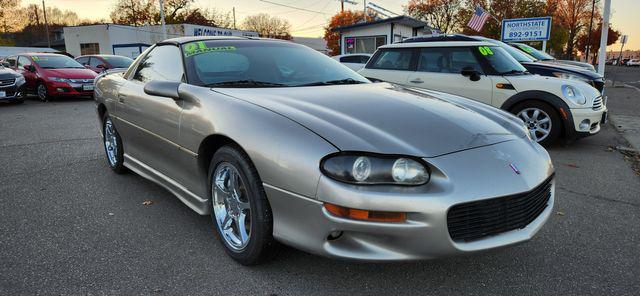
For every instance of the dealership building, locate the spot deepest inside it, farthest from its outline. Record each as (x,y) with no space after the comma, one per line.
(130,41)
(367,37)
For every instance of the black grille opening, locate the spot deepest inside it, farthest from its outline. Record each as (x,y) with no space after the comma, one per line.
(479,219)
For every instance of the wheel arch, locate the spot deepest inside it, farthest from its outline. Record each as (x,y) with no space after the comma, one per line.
(208,147)
(554,101)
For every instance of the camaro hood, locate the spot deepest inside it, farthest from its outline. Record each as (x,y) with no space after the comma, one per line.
(385,118)
(70,73)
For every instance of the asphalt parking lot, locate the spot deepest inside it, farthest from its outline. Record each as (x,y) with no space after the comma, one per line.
(70,226)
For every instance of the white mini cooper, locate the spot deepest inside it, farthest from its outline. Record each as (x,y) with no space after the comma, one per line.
(550,107)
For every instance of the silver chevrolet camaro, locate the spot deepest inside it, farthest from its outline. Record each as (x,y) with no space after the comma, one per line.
(281,144)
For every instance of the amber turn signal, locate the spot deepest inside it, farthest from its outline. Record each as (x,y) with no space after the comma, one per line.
(364,215)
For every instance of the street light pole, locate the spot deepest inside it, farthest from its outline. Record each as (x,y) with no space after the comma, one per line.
(46,25)
(604,36)
(164,26)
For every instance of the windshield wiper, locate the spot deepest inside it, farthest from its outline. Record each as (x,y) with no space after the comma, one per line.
(333,82)
(245,83)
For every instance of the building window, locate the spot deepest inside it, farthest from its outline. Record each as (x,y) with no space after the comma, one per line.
(364,44)
(89,48)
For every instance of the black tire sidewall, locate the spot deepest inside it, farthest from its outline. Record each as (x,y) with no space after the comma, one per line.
(118,167)
(261,244)
(47,97)
(556,122)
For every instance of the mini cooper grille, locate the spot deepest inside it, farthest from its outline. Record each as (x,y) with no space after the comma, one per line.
(597,103)
(479,219)
(5,82)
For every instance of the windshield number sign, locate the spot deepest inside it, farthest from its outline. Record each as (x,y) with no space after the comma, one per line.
(485,50)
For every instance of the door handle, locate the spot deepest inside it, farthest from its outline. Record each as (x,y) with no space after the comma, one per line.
(417,80)
(121,98)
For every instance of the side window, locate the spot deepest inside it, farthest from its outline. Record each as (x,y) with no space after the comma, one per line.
(162,63)
(446,60)
(22,61)
(94,62)
(394,59)
(83,60)
(351,59)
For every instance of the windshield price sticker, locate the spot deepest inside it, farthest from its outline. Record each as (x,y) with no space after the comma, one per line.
(485,50)
(527,29)
(200,47)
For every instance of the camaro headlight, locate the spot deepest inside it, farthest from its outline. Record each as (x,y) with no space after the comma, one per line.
(564,75)
(374,169)
(58,79)
(573,94)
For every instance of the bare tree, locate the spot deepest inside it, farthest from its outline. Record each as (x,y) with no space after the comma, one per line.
(268,26)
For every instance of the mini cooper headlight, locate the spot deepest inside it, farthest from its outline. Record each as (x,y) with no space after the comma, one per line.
(573,94)
(375,169)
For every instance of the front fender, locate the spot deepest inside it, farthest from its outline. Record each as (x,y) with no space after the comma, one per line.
(557,103)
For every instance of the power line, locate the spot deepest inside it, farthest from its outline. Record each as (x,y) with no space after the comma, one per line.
(298,8)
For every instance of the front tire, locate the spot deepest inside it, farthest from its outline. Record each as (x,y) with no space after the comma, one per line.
(542,120)
(113,145)
(42,92)
(240,210)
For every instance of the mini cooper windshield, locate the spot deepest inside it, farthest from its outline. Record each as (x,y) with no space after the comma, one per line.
(501,61)
(242,64)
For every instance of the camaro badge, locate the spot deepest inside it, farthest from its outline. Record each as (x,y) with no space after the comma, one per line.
(514,168)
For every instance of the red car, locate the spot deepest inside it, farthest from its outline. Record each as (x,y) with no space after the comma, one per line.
(101,62)
(53,75)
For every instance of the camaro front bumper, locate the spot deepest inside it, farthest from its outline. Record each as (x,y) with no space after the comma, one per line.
(459,178)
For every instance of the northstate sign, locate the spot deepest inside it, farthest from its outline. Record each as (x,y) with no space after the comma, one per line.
(527,29)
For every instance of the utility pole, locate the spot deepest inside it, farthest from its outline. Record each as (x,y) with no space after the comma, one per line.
(46,25)
(234,17)
(623,41)
(341,5)
(164,26)
(593,8)
(604,36)
(365,10)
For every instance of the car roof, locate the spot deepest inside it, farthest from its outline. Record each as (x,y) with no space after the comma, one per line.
(40,54)
(438,44)
(187,39)
(353,54)
(99,55)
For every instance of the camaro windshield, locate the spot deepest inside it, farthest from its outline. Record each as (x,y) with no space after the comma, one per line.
(501,61)
(240,63)
(55,62)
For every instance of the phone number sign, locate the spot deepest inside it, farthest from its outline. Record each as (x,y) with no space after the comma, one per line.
(526,29)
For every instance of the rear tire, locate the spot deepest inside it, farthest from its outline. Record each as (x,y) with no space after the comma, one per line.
(542,120)
(237,200)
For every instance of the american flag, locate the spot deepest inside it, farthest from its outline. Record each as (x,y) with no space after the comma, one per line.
(478,19)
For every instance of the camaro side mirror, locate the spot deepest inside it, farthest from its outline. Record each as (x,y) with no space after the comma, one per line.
(159,88)
(471,73)
(30,68)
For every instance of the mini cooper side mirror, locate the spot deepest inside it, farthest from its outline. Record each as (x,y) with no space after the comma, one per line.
(471,73)
(159,88)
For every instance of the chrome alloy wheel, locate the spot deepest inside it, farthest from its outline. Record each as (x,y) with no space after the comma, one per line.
(42,92)
(110,142)
(538,122)
(231,206)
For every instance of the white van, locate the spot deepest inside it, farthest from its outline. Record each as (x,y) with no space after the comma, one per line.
(550,107)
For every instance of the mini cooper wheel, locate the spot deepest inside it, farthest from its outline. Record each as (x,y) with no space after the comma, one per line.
(113,146)
(41,91)
(240,210)
(542,120)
